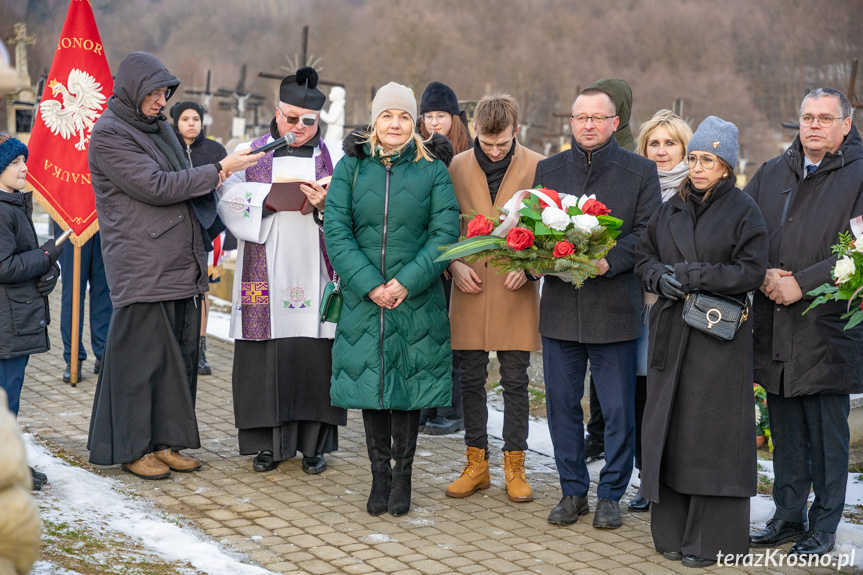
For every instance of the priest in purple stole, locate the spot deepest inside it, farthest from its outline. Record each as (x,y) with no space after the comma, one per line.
(282,353)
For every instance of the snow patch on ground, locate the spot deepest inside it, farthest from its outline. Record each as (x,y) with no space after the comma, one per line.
(76,496)
(377,538)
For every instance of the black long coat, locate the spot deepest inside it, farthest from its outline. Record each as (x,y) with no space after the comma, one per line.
(606,309)
(698,434)
(23,310)
(815,352)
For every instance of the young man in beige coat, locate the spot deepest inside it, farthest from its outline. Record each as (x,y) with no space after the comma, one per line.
(492,311)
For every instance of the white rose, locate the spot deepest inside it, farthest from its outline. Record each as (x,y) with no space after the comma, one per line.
(568,201)
(511,206)
(585,222)
(844,270)
(583,199)
(555,218)
(858,245)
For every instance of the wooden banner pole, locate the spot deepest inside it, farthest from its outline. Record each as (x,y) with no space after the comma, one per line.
(76,312)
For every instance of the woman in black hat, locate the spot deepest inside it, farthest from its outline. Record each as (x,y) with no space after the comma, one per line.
(200,151)
(440,114)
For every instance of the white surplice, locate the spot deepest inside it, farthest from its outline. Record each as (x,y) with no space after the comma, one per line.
(296,269)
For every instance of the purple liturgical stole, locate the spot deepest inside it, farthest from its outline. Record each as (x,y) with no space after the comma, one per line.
(254,282)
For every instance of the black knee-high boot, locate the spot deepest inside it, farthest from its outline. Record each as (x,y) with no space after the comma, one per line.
(405,427)
(377,426)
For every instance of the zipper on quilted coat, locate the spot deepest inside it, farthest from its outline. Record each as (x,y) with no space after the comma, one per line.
(384,275)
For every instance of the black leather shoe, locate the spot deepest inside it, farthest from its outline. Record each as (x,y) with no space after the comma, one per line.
(97,366)
(696,561)
(443,426)
(673,555)
(607,514)
(39,479)
(594,448)
(67,373)
(264,462)
(814,543)
(567,511)
(315,464)
(776,533)
(638,504)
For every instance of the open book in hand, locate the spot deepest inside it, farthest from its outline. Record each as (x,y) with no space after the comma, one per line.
(286,196)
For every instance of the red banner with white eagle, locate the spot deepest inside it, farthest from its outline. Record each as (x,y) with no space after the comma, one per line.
(78,88)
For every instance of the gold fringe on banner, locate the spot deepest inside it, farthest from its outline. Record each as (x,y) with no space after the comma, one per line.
(75,239)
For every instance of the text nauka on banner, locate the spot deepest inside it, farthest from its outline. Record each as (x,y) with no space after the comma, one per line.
(79,84)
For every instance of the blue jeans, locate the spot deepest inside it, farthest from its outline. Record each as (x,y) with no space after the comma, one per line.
(92,273)
(12,379)
(612,366)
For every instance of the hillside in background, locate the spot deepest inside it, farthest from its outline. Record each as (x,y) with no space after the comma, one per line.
(747,62)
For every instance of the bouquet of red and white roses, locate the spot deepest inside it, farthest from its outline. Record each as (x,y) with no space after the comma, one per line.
(847,275)
(540,232)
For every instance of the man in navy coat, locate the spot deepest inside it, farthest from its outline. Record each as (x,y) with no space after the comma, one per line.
(601,321)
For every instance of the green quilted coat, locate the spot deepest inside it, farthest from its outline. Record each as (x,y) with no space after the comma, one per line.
(390,226)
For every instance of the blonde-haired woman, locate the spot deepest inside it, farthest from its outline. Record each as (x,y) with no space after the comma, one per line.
(663,139)
(390,206)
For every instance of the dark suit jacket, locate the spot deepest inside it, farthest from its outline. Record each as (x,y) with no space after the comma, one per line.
(607,308)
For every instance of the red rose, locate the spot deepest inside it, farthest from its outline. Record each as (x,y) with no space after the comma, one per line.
(594,208)
(519,239)
(563,249)
(479,226)
(552,195)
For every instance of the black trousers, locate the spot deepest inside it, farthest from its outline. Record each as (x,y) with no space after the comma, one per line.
(391,436)
(810,447)
(516,406)
(454,411)
(699,525)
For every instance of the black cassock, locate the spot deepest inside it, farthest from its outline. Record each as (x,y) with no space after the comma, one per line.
(282,397)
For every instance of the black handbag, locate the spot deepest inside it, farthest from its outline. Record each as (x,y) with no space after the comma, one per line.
(714,314)
(331,302)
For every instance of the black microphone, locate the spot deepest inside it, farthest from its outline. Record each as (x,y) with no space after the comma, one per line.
(286,140)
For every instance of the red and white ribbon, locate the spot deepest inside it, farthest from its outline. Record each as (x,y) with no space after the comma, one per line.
(857,227)
(513,216)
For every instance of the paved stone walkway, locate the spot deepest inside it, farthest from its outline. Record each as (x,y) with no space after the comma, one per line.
(290,522)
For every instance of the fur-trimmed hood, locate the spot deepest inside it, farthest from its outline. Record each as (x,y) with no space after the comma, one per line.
(354,145)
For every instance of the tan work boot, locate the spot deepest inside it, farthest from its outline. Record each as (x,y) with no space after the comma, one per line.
(148,467)
(517,487)
(475,475)
(177,461)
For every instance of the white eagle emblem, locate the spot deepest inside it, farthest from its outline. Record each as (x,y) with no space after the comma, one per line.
(81,107)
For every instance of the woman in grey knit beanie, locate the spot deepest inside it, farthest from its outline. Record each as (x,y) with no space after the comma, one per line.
(698,435)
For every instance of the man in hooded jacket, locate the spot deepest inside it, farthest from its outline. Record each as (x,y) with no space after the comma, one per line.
(151,207)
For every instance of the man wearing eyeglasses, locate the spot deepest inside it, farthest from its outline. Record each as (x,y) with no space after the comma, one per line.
(601,321)
(152,206)
(282,352)
(808,363)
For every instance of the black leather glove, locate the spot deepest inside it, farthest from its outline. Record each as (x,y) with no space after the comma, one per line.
(46,283)
(52,250)
(670,287)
